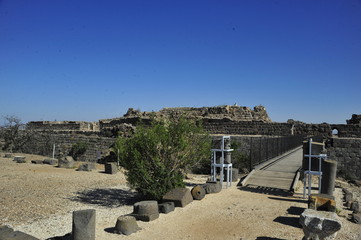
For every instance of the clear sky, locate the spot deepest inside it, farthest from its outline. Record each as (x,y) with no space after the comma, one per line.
(90,60)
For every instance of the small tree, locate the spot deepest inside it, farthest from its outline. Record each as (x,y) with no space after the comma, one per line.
(157,156)
(78,149)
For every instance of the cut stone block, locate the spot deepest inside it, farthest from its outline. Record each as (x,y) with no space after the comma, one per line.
(145,211)
(51,161)
(212,187)
(166,207)
(355,207)
(7,233)
(111,168)
(8,155)
(198,192)
(84,225)
(356,217)
(235,174)
(319,224)
(86,167)
(180,196)
(66,162)
(126,225)
(19,159)
(322,202)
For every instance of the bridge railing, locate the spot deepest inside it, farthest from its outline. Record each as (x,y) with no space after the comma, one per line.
(265,148)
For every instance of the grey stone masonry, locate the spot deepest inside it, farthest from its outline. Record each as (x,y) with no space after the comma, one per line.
(84,225)
(166,207)
(111,168)
(66,162)
(126,225)
(319,224)
(19,159)
(180,196)
(7,233)
(212,187)
(51,161)
(145,211)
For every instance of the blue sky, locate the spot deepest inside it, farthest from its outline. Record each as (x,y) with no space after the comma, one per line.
(90,60)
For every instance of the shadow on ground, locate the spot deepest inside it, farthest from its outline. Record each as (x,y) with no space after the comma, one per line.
(269,238)
(107,197)
(289,199)
(266,190)
(290,221)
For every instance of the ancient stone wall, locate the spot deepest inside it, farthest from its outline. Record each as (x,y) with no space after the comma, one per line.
(63,125)
(347,153)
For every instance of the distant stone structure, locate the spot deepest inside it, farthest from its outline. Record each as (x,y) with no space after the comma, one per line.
(355,119)
(63,125)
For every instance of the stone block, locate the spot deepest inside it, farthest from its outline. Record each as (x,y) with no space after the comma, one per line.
(355,207)
(111,168)
(145,211)
(356,217)
(320,224)
(212,187)
(66,162)
(84,225)
(180,196)
(51,161)
(19,159)
(37,161)
(198,192)
(235,174)
(7,233)
(322,202)
(8,155)
(126,225)
(86,167)
(166,207)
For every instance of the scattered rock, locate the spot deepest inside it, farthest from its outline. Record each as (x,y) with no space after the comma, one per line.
(126,225)
(319,224)
(145,211)
(51,161)
(111,168)
(166,207)
(180,196)
(86,167)
(66,162)
(84,225)
(198,192)
(19,159)
(212,187)
(322,202)
(8,155)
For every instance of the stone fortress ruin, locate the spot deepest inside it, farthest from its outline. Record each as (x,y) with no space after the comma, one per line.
(244,123)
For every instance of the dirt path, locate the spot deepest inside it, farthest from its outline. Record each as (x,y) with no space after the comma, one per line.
(39,200)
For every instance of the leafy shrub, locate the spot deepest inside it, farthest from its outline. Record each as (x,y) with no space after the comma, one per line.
(78,149)
(157,156)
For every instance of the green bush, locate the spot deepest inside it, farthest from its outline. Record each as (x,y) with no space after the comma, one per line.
(156,156)
(78,149)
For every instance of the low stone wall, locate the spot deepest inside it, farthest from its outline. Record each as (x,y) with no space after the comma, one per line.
(347,153)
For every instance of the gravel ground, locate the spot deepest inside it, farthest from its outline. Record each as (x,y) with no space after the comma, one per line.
(40,199)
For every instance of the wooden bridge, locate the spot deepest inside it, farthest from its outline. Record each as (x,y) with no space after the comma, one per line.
(278,174)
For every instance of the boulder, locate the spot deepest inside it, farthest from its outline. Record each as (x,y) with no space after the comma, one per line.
(166,207)
(320,224)
(126,225)
(86,167)
(322,202)
(198,192)
(180,196)
(355,207)
(66,162)
(111,168)
(212,187)
(145,211)
(51,161)
(84,225)
(19,159)
(8,155)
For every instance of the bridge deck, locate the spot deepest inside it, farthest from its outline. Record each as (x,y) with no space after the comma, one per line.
(278,173)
